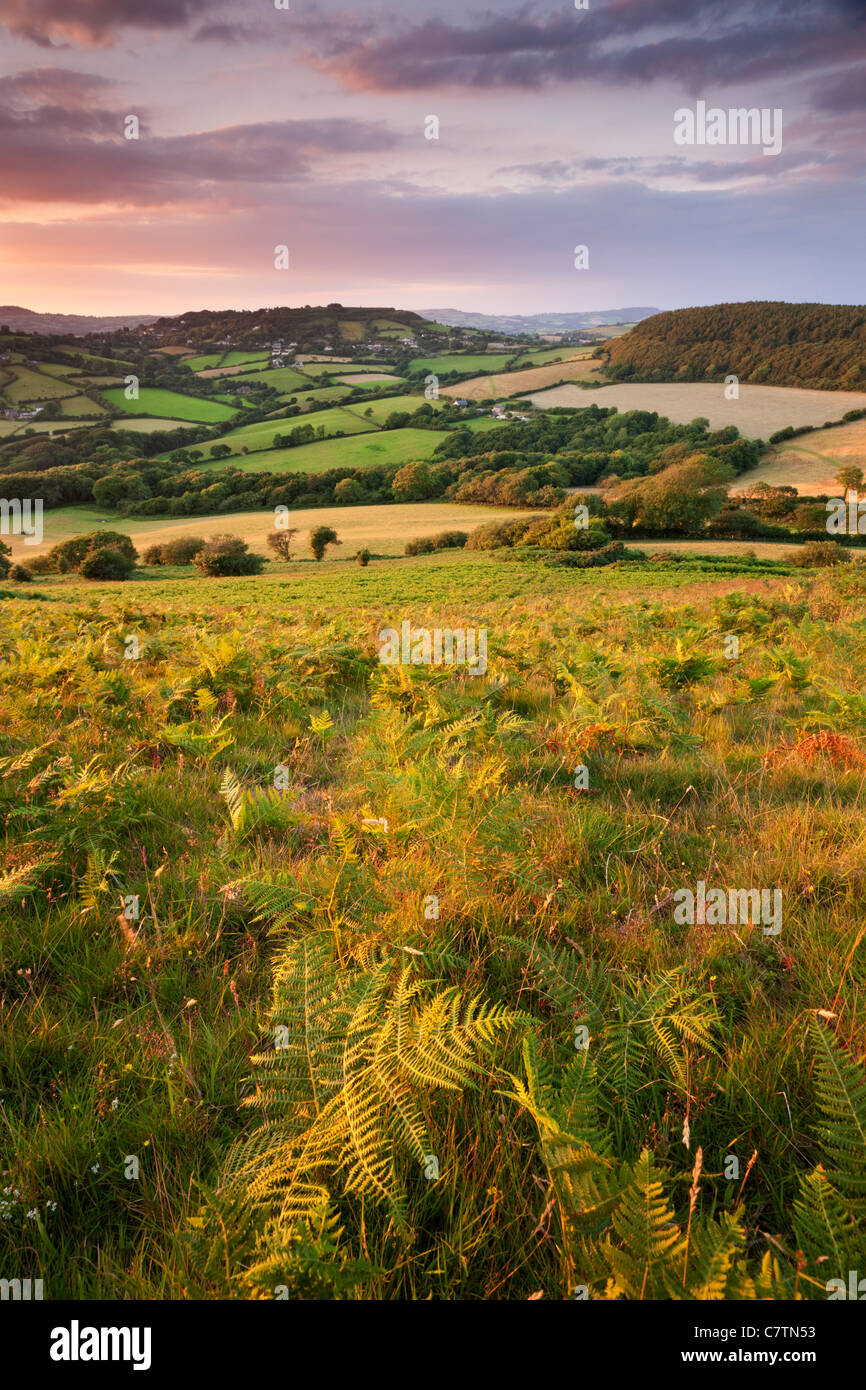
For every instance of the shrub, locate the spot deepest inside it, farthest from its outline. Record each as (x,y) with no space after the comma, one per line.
(107,562)
(422,545)
(449,540)
(227,555)
(321,538)
(363,556)
(818,555)
(40,564)
(153,555)
(182,550)
(20,574)
(72,553)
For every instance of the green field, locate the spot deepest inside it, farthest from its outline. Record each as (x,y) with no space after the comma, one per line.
(30,385)
(434,941)
(280,378)
(457,362)
(259,436)
(202,362)
(317,394)
(381,409)
(171,405)
(356,451)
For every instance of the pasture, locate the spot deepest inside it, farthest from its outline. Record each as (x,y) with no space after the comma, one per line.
(170,405)
(809,462)
(759,412)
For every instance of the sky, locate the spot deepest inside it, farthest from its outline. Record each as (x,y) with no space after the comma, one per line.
(309,127)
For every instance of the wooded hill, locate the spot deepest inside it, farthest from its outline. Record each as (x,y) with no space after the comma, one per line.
(811,345)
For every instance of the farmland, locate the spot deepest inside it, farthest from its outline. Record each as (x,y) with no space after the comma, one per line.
(384,530)
(359,450)
(715,1052)
(260,436)
(810,462)
(170,405)
(759,412)
(522,383)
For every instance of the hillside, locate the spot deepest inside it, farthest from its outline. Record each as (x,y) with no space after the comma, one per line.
(312,327)
(814,345)
(28,321)
(536,323)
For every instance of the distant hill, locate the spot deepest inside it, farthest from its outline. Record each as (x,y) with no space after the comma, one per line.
(312,326)
(28,321)
(536,323)
(822,346)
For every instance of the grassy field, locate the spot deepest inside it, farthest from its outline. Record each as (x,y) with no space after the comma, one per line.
(445,968)
(170,405)
(458,362)
(810,462)
(280,378)
(356,451)
(259,436)
(524,383)
(384,530)
(366,379)
(381,409)
(759,412)
(28,384)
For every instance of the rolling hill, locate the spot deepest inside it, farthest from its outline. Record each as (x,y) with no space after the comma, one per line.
(822,346)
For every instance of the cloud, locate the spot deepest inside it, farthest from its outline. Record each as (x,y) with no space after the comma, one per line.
(694,42)
(57,146)
(94,23)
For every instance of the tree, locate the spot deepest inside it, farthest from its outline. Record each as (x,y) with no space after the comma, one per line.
(220,451)
(412,483)
(227,555)
(106,562)
(71,554)
(849,478)
(281,542)
(321,538)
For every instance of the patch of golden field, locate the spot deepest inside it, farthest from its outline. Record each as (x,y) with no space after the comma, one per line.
(810,461)
(382,529)
(523,382)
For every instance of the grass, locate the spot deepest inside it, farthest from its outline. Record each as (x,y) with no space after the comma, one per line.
(810,462)
(355,451)
(383,529)
(170,405)
(260,435)
(759,412)
(133,1036)
(460,362)
(381,409)
(280,378)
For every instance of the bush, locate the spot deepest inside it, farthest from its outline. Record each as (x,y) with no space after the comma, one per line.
(107,562)
(818,555)
(20,574)
(40,564)
(363,556)
(423,545)
(72,553)
(321,538)
(153,555)
(227,555)
(182,550)
(449,540)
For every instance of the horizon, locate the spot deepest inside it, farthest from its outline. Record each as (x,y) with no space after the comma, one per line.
(455,160)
